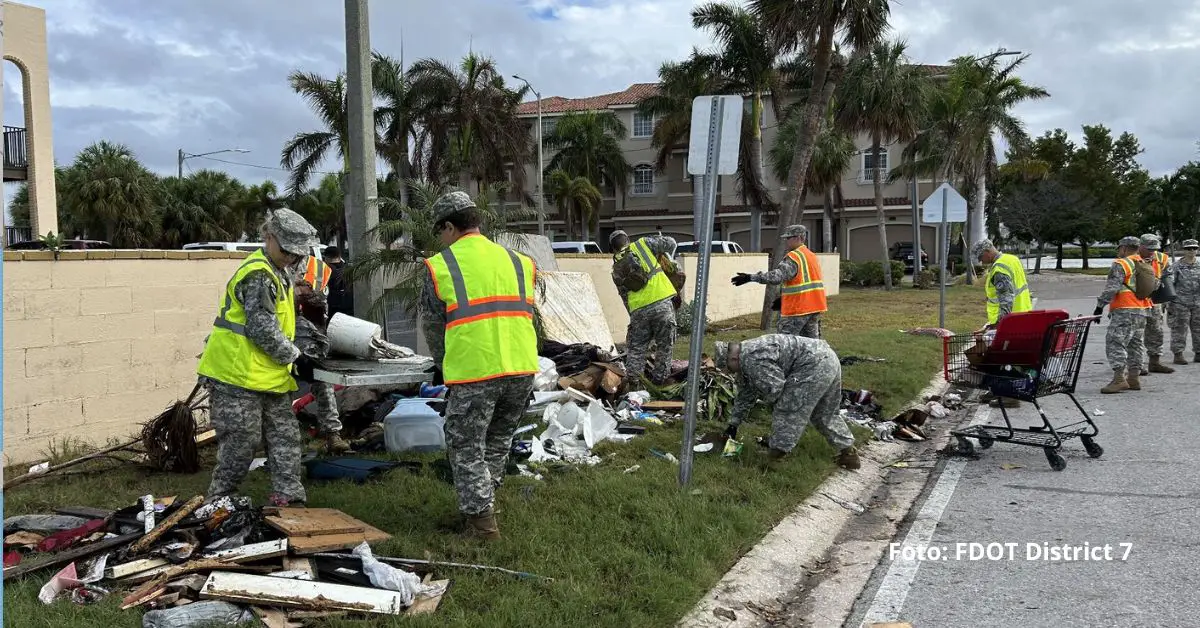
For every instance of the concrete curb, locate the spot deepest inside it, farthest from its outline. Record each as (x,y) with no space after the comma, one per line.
(773,572)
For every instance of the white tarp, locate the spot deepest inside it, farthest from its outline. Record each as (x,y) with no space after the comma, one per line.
(535,246)
(571,311)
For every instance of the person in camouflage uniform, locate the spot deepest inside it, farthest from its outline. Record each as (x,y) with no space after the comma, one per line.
(1184,311)
(481,416)
(807,325)
(313,341)
(652,325)
(243,418)
(1150,250)
(1123,344)
(801,378)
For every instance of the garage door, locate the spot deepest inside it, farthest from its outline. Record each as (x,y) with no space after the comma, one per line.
(864,241)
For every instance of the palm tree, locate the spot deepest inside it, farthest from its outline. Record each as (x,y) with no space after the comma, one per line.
(747,65)
(881,97)
(831,157)
(323,207)
(109,191)
(204,206)
(575,196)
(588,145)
(258,200)
(394,118)
(306,151)
(467,123)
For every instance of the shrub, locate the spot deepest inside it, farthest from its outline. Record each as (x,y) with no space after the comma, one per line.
(926,278)
(868,274)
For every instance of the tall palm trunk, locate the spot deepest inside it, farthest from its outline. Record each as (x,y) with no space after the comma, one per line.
(978,216)
(877,179)
(1041,251)
(756,152)
(827,223)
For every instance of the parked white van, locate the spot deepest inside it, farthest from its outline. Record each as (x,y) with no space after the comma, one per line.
(718,246)
(580,248)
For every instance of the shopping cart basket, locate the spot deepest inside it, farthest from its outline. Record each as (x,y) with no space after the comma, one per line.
(1031,355)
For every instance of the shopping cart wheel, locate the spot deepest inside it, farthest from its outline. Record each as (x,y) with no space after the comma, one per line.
(986,443)
(964,446)
(1057,462)
(1094,450)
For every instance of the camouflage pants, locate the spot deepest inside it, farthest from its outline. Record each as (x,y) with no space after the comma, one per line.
(1123,342)
(811,396)
(653,324)
(327,410)
(481,418)
(242,420)
(1155,322)
(808,325)
(1184,318)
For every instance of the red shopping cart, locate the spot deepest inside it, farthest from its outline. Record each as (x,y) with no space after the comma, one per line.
(1031,355)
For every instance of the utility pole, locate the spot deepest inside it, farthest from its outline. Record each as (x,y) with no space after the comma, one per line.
(916,226)
(541,194)
(183,156)
(362,208)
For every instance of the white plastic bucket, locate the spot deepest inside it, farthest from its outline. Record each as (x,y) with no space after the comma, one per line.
(352,336)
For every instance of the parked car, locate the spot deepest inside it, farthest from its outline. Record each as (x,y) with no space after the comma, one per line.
(718,246)
(37,245)
(574,247)
(247,247)
(903,252)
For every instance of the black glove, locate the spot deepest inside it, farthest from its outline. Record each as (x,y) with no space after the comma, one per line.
(731,432)
(741,279)
(303,367)
(1098,311)
(777,304)
(437,377)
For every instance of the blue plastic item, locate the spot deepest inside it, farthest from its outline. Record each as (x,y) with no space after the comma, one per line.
(429,391)
(414,426)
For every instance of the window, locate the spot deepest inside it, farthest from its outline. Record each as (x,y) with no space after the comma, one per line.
(643,124)
(548,127)
(874,163)
(643,180)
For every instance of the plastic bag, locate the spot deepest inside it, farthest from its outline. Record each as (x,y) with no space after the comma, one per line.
(206,613)
(598,424)
(547,378)
(388,577)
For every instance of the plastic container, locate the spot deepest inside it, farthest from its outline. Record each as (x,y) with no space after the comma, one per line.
(413,426)
(352,336)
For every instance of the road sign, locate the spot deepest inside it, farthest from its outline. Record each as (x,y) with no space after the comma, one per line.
(931,207)
(731,134)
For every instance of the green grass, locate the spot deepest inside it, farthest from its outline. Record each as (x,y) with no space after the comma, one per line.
(624,549)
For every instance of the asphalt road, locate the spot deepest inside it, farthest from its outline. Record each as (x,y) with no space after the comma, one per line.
(1139,500)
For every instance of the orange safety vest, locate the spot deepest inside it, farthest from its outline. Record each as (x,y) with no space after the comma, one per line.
(317,274)
(805,293)
(1126,299)
(1159,263)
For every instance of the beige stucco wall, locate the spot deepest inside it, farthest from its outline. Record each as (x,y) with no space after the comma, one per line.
(94,348)
(25,46)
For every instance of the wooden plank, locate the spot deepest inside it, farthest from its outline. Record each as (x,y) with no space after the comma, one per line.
(300,564)
(663,405)
(274,618)
(427,605)
(313,521)
(166,525)
(62,559)
(206,438)
(267,591)
(302,545)
(235,556)
(134,567)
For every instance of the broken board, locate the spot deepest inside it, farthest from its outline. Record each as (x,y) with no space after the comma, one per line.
(427,605)
(312,530)
(663,405)
(268,591)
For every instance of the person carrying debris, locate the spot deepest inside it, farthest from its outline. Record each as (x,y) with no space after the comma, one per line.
(803,296)
(1184,311)
(1127,315)
(1150,252)
(801,378)
(249,359)
(477,305)
(647,293)
(313,341)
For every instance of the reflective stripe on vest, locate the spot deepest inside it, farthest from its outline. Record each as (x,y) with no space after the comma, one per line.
(1010,266)
(487,291)
(659,286)
(1126,298)
(317,275)
(1159,263)
(229,356)
(804,294)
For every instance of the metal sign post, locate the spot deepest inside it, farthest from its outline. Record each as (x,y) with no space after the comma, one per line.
(945,206)
(945,254)
(713,118)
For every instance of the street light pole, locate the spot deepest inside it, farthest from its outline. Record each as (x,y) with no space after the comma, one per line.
(540,193)
(362,202)
(183,156)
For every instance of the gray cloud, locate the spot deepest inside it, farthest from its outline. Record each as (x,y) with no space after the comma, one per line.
(202,76)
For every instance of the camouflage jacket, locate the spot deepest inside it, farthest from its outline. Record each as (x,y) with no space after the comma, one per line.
(1186,280)
(785,270)
(766,363)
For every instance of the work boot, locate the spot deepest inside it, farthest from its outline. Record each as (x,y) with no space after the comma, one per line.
(1132,382)
(848,459)
(483,526)
(1156,365)
(1179,359)
(1118,383)
(335,444)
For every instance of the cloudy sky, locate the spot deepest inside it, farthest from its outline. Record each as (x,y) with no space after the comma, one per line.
(160,75)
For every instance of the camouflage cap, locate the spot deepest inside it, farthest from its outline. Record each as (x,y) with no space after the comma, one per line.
(721,355)
(616,234)
(981,246)
(1130,241)
(1151,241)
(1191,244)
(294,233)
(451,203)
(794,231)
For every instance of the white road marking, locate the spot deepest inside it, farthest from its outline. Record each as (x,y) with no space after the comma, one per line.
(889,598)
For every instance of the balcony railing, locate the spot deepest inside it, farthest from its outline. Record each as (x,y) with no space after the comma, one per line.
(16,235)
(867,175)
(15,153)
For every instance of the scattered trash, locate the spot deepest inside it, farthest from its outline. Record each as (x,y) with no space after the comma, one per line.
(387,577)
(856,508)
(732,448)
(39,468)
(68,579)
(936,332)
(937,410)
(850,360)
(899,464)
(703,448)
(664,455)
(633,468)
(1009,467)
(42,523)
(725,613)
(1098,412)
(208,612)
(258,463)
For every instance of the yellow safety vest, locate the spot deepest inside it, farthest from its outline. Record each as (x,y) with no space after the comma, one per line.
(488,291)
(1008,264)
(659,286)
(231,357)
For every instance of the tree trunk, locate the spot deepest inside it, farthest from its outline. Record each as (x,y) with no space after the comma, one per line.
(1058,258)
(1083,246)
(839,199)
(979,214)
(1041,252)
(876,177)
(756,151)
(827,223)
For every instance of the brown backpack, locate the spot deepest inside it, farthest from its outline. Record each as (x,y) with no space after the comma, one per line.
(1144,281)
